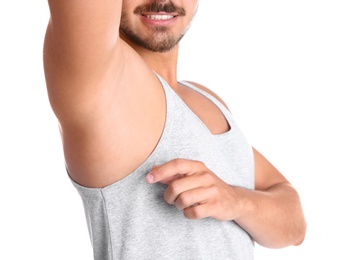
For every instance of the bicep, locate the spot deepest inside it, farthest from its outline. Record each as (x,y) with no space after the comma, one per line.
(78,25)
(81,33)
(80,49)
(266,174)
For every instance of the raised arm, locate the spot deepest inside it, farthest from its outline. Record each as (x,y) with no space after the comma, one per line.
(100,90)
(80,49)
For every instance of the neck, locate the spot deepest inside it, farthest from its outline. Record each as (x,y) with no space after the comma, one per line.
(163,63)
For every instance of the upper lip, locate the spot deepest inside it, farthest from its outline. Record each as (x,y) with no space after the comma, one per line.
(160,13)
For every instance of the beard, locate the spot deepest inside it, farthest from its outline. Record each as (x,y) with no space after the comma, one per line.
(161,38)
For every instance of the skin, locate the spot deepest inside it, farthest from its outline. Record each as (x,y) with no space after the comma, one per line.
(101,87)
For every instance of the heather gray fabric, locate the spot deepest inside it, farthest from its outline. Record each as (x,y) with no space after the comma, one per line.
(129,219)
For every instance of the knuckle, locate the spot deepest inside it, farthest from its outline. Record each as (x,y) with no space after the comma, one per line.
(174,187)
(184,200)
(158,171)
(167,196)
(198,214)
(177,162)
(208,177)
(213,189)
(200,164)
(194,213)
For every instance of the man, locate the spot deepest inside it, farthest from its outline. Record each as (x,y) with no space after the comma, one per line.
(163,170)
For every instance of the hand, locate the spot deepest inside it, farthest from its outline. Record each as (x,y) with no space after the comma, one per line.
(196,190)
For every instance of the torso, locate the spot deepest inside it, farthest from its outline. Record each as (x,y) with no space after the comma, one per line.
(97,158)
(121,215)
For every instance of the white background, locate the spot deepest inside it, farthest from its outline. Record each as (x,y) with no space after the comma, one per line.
(273,62)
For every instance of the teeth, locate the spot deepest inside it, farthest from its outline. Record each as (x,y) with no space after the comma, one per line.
(160,17)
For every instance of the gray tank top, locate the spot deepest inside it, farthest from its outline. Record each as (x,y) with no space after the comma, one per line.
(130,220)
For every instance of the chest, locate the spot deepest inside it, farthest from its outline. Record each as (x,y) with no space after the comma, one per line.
(204,109)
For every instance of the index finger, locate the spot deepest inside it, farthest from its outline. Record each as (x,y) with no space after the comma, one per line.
(171,168)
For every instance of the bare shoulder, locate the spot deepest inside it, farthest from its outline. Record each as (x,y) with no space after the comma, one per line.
(202,87)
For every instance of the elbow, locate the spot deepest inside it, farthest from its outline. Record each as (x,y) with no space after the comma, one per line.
(297,226)
(294,237)
(299,236)
(295,234)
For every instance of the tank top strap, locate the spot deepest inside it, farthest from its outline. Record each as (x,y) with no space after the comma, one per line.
(216,101)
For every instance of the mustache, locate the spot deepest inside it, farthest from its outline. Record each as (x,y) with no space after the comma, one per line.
(156,7)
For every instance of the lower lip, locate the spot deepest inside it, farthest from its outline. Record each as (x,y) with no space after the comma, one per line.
(152,22)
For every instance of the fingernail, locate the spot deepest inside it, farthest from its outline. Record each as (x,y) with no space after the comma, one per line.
(150,178)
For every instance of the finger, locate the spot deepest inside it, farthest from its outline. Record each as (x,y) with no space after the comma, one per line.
(168,179)
(193,197)
(172,168)
(198,211)
(171,179)
(178,186)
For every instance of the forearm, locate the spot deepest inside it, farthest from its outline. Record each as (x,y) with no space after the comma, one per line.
(274,217)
